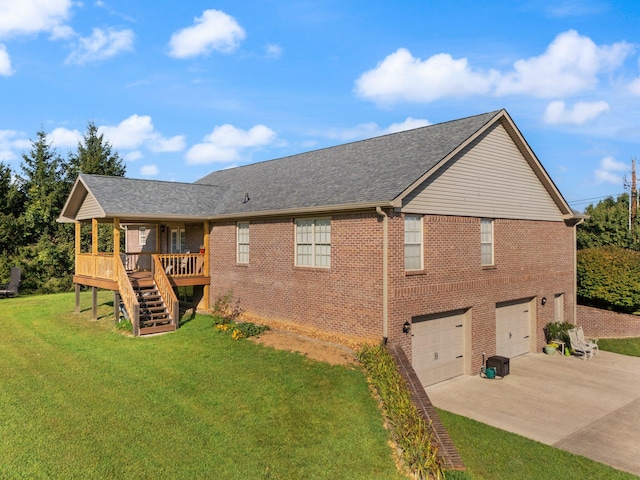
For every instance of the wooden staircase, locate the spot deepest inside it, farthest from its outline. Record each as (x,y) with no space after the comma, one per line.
(155,317)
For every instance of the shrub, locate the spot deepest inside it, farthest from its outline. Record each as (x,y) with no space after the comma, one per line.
(225,318)
(557,331)
(609,277)
(408,429)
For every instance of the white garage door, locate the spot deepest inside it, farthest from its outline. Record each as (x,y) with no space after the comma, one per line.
(437,346)
(513,327)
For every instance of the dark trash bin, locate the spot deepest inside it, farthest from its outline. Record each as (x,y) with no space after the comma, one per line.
(501,365)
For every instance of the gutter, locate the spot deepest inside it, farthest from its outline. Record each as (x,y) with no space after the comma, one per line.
(385,273)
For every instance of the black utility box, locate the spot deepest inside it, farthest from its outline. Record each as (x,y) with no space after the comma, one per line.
(501,365)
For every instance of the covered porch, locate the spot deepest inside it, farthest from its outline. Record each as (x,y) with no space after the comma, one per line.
(143,241)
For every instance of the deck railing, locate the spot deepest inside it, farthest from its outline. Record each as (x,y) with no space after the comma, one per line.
(173,264)
(128,295)
(166,290)
(96,266)
(182,264)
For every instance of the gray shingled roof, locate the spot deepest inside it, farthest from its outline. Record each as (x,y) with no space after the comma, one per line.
(372,171)
(119,196)
(369,171)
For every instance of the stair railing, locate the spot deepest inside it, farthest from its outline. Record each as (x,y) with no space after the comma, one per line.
(166,290)
(128,296)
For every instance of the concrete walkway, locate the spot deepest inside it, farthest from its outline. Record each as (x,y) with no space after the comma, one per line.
(591,408)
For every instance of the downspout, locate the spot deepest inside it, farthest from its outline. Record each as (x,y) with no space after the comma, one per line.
(385,273)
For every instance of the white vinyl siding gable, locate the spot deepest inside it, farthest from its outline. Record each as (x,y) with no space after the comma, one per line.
(486,242)
(489,178)
(242,242)
(413,242)
(89,209)
(313,242)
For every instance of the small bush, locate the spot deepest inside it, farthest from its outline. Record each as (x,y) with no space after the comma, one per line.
(408,429)
(225,318)
(558,331)
(125,325)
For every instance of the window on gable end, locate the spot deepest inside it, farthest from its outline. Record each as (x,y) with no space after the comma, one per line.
(242,242)
(413,257)
(486,242)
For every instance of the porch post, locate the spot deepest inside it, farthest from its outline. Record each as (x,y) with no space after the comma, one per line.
(77,245)
(94,236)
(116,242)
(207,287)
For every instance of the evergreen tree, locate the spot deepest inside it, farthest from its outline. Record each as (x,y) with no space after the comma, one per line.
(43,186)
(94,155)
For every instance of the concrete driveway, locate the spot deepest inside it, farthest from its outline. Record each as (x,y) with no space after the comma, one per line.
(591,408)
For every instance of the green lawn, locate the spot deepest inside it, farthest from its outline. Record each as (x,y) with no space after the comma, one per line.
(624,346)
(490,453)
(79,400)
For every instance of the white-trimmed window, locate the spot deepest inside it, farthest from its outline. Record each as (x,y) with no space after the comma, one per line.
(413,242)
(178,240)
(486,241)
(242,242)
(313,242)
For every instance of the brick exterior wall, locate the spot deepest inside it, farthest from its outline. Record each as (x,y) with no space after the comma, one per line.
(344,299)
(533,259)
(606,324)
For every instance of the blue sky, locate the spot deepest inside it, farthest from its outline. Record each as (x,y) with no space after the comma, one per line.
(185,88)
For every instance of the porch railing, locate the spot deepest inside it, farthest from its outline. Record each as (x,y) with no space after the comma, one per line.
(166,290)
(128,296)
(96,266)
(182,264)
(173,264)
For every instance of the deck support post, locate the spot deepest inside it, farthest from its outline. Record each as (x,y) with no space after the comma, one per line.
(94,301)
(207,287)
(77,288)
(116,305)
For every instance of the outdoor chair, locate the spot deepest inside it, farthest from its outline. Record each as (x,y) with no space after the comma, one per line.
(592,344)
(577,346)
(11,289)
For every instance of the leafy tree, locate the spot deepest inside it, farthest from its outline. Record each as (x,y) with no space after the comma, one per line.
(608,225)
(609,277)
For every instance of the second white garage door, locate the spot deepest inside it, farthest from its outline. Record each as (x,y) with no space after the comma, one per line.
(437,346)
(513,328)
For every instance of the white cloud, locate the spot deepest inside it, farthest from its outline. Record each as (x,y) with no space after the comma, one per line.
(63,138)
(138,131)
(611,171)
(24,17)
(101,45)
(227,143)
(403,78)
(214,30)
(634,87)
(5,62)
(372,129)
(149,170)
(581,112)
(570,65)
(273,51)
(409,124)
(133,156)
(10,141)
